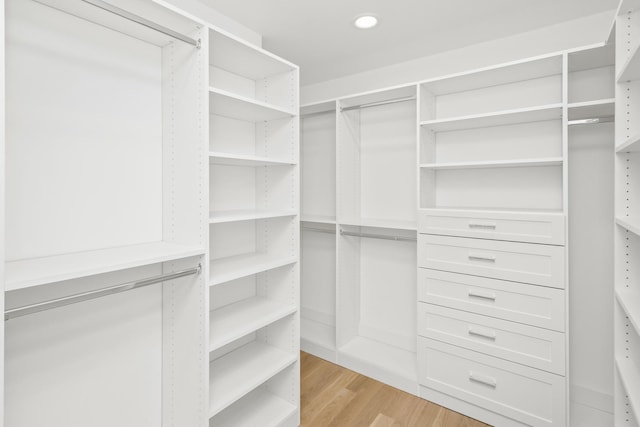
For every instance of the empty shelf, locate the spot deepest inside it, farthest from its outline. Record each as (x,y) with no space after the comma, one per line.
(227,104)
(319,219)
(629,145)
(40,271)
(381,223)
(551,161)
(591,109)
(630,378)
(218,217)
(499,118)
(630,70)
(237,320)
(236,374)
(631,224)
(398,361)
(235,267)
(259,408)
(245,160)
(630,303)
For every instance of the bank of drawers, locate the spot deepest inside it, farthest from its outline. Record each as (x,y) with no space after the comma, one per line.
(491,312)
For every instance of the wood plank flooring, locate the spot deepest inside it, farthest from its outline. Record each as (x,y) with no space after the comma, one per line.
(332,396)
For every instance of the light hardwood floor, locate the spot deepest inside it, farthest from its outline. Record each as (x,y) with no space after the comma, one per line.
(333,396)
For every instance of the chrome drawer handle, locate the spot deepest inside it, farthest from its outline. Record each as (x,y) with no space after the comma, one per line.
(489,335)
(486,225)
(483,379)
(480,257)
(487,296)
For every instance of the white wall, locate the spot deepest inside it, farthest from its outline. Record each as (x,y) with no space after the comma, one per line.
(580,32)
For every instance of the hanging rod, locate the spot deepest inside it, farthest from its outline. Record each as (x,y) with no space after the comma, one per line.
(376,104)
(317,113)
(592,121)
(139,20)
(378,236)
(98,293)
(319,230)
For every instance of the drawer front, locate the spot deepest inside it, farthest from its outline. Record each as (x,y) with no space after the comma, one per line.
(533,305)
(516,227)
(531,346)
(518,262)
(533,397)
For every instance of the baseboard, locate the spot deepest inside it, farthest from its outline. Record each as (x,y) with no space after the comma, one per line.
(318,316)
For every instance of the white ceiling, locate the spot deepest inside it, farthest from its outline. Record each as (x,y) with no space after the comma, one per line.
(319,35)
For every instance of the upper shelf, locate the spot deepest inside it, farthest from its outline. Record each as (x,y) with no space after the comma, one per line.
(591,109)
(228,104)
(229,159)
(630,69)
(499,118)
(590,58)
(549,161)
(243,59)
(26,273)
(219,217)
(631,144)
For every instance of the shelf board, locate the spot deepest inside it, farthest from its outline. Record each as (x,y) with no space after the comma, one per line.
(591,109)
(239,372)
(228,159)
(550,161)
(240,319)
(630,69)
(631,224)
(381,223)
(228,104)
(31,272)
(494,210)
(219,217)
(498,118)
(258,408)
(627,299)
(235,267)
(630,378)
(630,145)
(319,219)
(398,361)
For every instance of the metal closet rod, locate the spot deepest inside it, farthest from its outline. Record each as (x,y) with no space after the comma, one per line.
(319,230)
(591,121)
(318,113)
(378,103)
(378,236)
(143,21)
(98,293)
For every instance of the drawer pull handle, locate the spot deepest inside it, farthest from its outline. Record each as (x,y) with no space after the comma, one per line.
(485,225)
(480,257)
(489,335)
(483,379)
(476,294)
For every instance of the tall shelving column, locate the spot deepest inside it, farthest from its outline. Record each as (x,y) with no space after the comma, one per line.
(253,236)
(627,212)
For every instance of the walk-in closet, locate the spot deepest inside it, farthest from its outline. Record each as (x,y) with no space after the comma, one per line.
(223,213)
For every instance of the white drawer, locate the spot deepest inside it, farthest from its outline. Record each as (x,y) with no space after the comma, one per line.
(513,226)
(531,346)
(533,397)
(532,305)
(518,262)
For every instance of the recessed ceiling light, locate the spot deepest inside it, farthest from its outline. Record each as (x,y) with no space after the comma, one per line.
(365,22)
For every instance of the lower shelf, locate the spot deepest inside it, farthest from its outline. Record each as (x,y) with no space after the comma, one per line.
(259,408)
(630,377)
(389,364)
(236,374)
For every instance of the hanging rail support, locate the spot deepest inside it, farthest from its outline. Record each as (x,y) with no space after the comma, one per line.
(379,103)
(143,21)
(98,293)
(379,236)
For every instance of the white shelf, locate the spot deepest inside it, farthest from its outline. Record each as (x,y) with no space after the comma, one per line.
(218,217)
(319,219)
(228,159)
(630,70)
(227,104)
(237,320)
(235,267)
(550,161)
(498,118)
(26,273)
(591,109)
(259,408)
(630,378)
(494,210)
(236,374)
(630,145)
(631,224)
(381,223)
(384,356)
(630,303)
(318,333)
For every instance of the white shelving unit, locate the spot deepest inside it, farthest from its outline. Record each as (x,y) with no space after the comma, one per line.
(253,236)
(627,240)
(104,186)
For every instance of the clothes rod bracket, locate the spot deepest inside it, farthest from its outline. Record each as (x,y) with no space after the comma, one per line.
(378,103)
(378,236)
(98,293)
